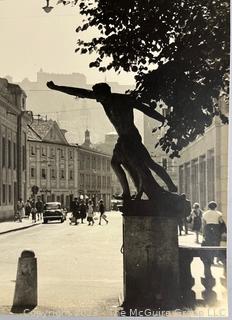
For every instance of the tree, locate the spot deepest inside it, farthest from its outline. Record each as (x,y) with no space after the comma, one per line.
(178,50)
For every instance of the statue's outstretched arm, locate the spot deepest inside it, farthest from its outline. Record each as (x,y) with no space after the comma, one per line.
(77,92)
(150,112)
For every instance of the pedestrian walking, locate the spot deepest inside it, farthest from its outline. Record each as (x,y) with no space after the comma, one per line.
(83,209)
(90,213)
(27,208)
(213,226)
(33,211)
(186,212)
(102,212)
(184,208)
(180,225)
(40,208)
(196,219)
(75,208)
(19,210)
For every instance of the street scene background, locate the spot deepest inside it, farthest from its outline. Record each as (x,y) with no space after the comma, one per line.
(80,268)
(57,148)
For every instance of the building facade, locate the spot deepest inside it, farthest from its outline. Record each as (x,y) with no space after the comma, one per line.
(52,163)
(62,171)
(203,165)
(157,154)
(94,172)
(13,146)
(107,147)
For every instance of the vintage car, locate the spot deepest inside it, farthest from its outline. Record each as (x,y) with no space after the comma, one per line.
(53,211)
(116,204)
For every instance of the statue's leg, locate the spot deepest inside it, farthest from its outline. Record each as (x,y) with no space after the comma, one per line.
(136,177)
(116,165)
(159,170)
(150,186)
(146,181)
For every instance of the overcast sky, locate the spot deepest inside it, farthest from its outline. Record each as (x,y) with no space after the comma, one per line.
(31,39)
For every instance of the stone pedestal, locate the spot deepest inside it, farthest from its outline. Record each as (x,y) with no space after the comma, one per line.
(151,262)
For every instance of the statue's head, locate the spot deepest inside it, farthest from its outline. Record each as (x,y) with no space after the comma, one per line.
(102,91)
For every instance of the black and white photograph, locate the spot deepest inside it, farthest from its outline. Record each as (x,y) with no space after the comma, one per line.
(114,158)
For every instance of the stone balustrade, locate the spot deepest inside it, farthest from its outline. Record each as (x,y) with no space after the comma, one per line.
(187,281)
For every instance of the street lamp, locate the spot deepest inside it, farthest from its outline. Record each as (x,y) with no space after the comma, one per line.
(47,8)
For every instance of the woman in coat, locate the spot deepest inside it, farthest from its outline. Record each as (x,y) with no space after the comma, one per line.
(196,217)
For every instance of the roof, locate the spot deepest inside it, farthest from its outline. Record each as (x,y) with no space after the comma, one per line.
(32,135)
(42,127)
(93,150)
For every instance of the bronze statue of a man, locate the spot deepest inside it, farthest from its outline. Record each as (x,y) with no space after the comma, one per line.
(129,152)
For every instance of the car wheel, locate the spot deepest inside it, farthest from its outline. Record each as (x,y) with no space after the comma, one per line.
(45,221)
(61,220)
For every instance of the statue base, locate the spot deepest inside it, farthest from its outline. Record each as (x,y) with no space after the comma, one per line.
(150,260)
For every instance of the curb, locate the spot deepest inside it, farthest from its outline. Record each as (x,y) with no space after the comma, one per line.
(20,228)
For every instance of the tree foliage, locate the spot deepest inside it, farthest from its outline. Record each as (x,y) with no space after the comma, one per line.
(178,50)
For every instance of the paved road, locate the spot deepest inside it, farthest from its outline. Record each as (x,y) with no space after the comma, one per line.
(79,267)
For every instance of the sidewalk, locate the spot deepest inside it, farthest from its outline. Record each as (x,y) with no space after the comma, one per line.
(84,282)
(188,240)
(10,226)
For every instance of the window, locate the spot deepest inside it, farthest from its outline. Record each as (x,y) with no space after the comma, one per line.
(99,182)
(62,153)
(88,181)
(94,162)
(104,182)
(23,103)
(108,182)
(81,163)
(202,180)
(52,153)
(32,150)
(43,173)
(9,154)
(15,155)
(98,163)
(210,175)
(194,181)
(3,151)
(93,181)
(32,172)
(104,164)
(9,195)
(88,162)
(82,180)
(24,157)
(70,174)
(108,165)
(4,193)
(53,173)
(44,151)
(70,154)
(187,180)
(62,174)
